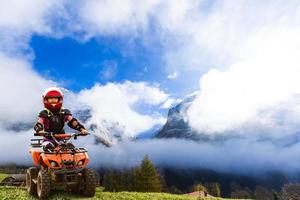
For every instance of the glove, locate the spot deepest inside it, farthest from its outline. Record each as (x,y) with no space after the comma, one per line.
(83,132)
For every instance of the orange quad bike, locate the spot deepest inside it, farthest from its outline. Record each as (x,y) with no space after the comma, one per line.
(64,167)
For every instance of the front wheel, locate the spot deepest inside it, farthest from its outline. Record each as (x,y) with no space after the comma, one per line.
(89,177)
(31,174)
(43,184)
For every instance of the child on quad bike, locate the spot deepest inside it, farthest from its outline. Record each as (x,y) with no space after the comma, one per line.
(53,118)
(60,165)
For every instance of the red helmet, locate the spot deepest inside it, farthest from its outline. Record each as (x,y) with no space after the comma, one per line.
(53,92)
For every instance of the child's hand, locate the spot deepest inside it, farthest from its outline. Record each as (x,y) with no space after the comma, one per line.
(83,132)
(40,132)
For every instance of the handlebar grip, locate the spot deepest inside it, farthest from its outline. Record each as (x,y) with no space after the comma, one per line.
(36,134)
(85,134)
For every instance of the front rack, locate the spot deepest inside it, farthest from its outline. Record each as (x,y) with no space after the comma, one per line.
(36,143)
(73,151)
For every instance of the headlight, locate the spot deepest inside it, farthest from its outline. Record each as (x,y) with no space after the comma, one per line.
(53,164)
(80,162)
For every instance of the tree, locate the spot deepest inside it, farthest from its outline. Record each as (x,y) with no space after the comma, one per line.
(238,192)
(124,181)
(276,195)
(174,190)
(214,189)
(235,186)
(291,191)
(133,179)
(199,188)
(110,182)
(148,179)
(263,193)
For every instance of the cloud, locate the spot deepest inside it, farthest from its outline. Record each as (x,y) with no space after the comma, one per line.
(168,22)
(261,90)
(119,103)
(19,20)
(115,17)
(20,15)
(22,88)
(109,70)
(240,156)
(172,76)
(170,102)
(195,36)
(214,33)
(17,144)
(237,155)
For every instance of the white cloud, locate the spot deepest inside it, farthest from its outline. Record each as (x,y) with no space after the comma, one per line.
(21,90)
(15,147)
(19,20)
(170,102)
(201,34)
(115,17)
(195,35)
(109,70)
(214,33)
(240,156)
(262,89)
(172,76)
(28,16)
(117,103)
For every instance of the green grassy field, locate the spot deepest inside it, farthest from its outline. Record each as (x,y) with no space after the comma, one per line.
(18,193)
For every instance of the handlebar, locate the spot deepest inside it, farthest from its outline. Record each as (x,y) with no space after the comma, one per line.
(60,135)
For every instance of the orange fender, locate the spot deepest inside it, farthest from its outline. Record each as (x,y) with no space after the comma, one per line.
(35,157)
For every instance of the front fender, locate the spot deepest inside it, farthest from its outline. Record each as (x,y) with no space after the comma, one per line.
(35,157)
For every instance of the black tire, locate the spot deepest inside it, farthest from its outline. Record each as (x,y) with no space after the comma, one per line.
(89,177)
(31,173)
(43,184)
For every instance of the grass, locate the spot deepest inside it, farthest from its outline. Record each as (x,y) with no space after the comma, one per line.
(20,193)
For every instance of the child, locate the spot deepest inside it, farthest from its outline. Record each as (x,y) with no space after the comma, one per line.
(54,116)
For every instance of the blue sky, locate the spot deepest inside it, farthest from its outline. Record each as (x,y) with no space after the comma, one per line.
(78,65)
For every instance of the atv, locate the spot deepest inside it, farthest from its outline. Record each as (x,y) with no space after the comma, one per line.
(63,167)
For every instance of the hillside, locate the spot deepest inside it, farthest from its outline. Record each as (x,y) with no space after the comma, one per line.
(9,192)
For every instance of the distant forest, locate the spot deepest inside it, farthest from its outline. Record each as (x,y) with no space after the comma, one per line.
(180,181)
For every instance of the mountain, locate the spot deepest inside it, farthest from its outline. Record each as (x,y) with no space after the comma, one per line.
(177,125)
